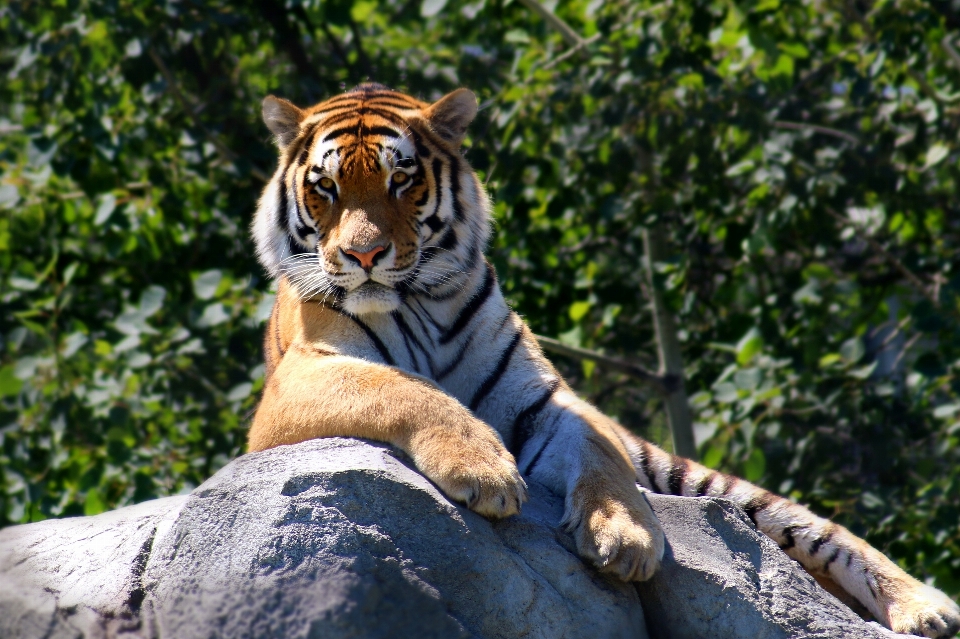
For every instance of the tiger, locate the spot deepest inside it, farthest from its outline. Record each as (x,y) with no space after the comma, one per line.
(389,324)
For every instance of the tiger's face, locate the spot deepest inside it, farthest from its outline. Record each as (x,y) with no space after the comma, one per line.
(371,200)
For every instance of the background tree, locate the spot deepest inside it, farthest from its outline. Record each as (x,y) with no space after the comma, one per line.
(799,156)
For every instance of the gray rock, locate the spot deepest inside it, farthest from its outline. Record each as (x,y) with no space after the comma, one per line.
(721,578)
(342,538)
(330,538)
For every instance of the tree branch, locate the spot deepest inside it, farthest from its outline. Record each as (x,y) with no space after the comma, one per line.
(570,36)
(816,128)
(662,384)
(668,348)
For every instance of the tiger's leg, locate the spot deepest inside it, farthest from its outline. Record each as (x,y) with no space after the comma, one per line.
(312,395)
(826,550)
(574,450)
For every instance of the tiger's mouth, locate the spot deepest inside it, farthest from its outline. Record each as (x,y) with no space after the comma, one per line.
(371,298)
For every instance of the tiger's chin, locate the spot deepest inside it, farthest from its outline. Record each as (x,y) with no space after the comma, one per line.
(371,298)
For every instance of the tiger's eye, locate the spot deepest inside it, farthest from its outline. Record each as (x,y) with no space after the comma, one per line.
(399,177)
(326,183)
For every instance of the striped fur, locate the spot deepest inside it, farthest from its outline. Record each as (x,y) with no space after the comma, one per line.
(389,324)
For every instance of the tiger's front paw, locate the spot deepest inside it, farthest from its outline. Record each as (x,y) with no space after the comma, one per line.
(478,471)
(619,536)
(925,612)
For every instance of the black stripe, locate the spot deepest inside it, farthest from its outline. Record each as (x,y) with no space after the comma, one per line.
(521,424)
(408,333)
(437,168)
(304,144)
(423,327)
(787,533)
(468,311)
(295,248)
(434,223)
(396,104)
(494,377)
(422,150)
(432,321)
(347,130)
(335,102)
(448,241)
(455,193)
(382,131)
(832,558)
(678,470)
(455,361)
(390,116)
(729,483)
(536,456)
(406,342)
(331,108)
(646,466)
(818,542)
(425,197)
(283,214)
(704,484)
(377,342)
(757,503)
(349,114)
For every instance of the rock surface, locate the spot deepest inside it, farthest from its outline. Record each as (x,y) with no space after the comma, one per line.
(721,578)
(342,538)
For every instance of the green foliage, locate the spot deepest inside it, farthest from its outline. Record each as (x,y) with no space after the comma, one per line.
(802,157)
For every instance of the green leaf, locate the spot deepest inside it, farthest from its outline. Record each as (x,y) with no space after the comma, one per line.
(726,393)
(9,196)
(93,504)
(863,372)
(213,315)
(151,300)
(108,203)
(10,384)
(748,379)
(852,350)
(750,345)
(573,337)
(935,154)
(430,8)
(740,168)
(205,284)
(240,392)
(946,411)
(73,343)
(588,366)
(755,465)
(578,310)
(794,49)
(830,359)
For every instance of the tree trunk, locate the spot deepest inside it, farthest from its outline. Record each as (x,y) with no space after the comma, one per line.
(668,348)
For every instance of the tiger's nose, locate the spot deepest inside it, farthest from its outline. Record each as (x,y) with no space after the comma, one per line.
(366,259)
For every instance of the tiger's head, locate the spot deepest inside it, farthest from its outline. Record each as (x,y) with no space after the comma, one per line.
(371,200)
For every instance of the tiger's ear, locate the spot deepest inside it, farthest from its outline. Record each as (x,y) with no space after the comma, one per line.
(282,118)
(450,116)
